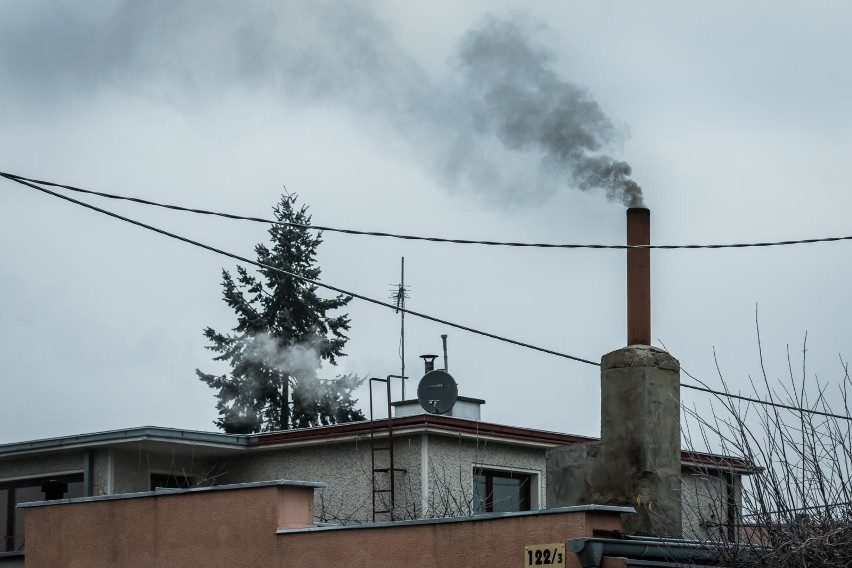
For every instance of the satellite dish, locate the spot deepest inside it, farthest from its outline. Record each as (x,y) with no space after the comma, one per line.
(437,392)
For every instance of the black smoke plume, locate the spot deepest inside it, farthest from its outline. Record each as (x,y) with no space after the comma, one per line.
(501,123)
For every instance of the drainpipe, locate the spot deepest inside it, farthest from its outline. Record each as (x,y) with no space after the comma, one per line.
(591,551)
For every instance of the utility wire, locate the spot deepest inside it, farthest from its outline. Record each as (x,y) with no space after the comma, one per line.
(296,276)
(21,179)
(764,402)
(32,184)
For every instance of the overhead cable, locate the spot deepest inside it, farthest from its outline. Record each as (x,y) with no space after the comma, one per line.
(32,184)
(790,407)
(21,179)
(766,402)
(298,277)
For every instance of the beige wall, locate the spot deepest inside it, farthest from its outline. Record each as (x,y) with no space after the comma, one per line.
(705,503)
(241,527)
(113,470)
(346,468)
(40,465)
(131,469)
(452,461)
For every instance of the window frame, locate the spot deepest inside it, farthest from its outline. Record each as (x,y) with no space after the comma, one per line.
(528,498)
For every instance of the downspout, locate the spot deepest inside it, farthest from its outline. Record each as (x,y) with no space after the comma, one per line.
(591,551)
(731,506)
(424,476)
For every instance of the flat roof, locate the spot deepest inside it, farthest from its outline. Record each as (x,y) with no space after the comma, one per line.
(220,443)
(159,492)
(424,422)
(217,440)
(464,519)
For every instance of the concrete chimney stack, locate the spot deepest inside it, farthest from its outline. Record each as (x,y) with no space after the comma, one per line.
(638,459)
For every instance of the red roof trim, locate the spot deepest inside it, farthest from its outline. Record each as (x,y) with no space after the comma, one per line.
(464,426)
(448,423)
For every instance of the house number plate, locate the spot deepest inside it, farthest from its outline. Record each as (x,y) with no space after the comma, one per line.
(544,555)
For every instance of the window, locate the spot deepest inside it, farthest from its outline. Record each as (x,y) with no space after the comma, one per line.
(169,481)
(496,491)
(24,491)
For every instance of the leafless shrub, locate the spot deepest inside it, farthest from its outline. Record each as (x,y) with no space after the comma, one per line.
(796,506)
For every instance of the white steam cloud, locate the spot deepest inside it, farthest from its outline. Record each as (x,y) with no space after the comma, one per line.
(300,360)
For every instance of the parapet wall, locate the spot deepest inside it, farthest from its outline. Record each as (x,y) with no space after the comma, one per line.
(268,524)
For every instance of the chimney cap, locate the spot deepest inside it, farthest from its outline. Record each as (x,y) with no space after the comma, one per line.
(428,357)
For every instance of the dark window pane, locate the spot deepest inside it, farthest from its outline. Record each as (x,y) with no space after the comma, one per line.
(500,491)
(507,494)
(170,481)
(24,495)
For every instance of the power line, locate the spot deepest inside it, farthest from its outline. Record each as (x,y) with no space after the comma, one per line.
(302,278)
(761,401)
(31,183)
(21,179)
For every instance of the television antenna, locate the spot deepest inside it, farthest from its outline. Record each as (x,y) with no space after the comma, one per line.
(399,293)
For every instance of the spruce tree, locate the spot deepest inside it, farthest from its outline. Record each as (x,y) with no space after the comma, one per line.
(283,333)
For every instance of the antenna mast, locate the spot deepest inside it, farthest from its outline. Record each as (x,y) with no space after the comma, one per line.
(399,294)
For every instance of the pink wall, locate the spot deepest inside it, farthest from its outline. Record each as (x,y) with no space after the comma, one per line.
(237,528)
(489,542)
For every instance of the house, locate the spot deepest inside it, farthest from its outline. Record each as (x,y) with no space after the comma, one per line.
(444,466)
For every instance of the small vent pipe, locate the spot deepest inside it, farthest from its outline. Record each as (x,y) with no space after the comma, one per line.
(444,340)
(429,362)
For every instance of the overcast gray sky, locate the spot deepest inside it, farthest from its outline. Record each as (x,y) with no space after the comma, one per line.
(468,120)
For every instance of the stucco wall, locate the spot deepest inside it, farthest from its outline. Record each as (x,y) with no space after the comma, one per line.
(113,470)
(225,528)
(131,469)
(38,465)
(472,542)
(705,503)
(453,459)
(344,466)
(703,494)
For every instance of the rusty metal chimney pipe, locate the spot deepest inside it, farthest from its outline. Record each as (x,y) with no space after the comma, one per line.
(428,362)
(638,277)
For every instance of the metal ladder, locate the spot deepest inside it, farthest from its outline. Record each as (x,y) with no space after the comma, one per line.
(386,505)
